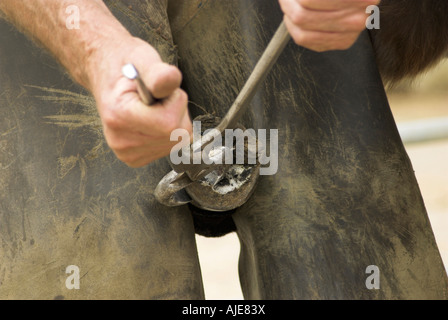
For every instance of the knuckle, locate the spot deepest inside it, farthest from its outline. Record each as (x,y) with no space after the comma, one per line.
(299,37)
(135,164)
(308,41)
(171,119)
(176,74)
(345,43)
(164,79)
(345,46)
(298,17)
(169,124)
(189,129)
(306,3)
(321,49)
(182,100)
(183,96)
(111,119)
(129,159)
(299,41)
(357,22)
(122,157)
(118,147)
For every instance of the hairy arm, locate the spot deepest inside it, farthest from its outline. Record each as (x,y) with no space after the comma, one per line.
(94,55)
(45,22)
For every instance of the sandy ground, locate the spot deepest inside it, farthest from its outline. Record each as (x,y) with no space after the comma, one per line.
(219,257)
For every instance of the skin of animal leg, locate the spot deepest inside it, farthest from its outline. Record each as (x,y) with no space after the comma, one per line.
(345,197)
(75,222)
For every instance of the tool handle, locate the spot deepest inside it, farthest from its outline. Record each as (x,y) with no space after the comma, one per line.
(131,72)
(144,93)
(258,75)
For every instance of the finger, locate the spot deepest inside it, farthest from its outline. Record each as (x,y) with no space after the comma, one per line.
(156,120)
(141,156)
(321,41)
(187,125)
(346,20)
(343,20)
(133,148)
(162,79)
(333,5)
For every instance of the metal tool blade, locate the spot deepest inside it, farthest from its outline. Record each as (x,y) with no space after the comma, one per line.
(242,101)
(171,189)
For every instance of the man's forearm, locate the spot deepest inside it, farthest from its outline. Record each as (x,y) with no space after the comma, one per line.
(76,49)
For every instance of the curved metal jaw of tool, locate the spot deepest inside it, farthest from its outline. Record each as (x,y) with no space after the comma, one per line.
(219,190)
(214,187)
(171,189)
(197,183)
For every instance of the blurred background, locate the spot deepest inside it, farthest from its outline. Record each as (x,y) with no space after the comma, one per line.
(421,112)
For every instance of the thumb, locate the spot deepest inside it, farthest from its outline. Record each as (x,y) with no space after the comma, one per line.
(162,79)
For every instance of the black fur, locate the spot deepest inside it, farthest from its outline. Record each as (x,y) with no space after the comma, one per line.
(212,224)
(412,38)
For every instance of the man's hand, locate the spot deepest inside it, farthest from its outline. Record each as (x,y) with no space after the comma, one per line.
(323,25)
(137,133)
(94,56)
